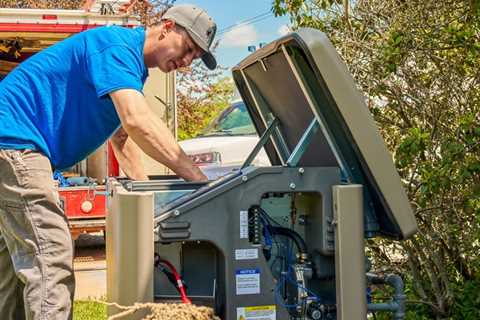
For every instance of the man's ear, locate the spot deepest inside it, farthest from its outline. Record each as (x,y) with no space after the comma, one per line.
(168,25)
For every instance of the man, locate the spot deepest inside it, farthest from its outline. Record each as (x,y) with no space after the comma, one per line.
(55,109)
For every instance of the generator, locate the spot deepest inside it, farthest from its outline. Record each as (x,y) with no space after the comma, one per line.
(285,241)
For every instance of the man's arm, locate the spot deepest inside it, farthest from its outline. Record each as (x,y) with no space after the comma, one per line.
(128,155)
(151,134)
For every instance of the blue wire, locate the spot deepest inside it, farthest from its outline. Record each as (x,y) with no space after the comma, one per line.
(277,295)
(299,286)
(266,225)
(291,270)
(265,214)
(313,295)
(266,221)
(268,236)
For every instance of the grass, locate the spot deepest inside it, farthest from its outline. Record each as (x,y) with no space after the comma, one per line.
(89,310)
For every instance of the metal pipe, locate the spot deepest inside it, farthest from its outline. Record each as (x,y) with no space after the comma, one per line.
(399,297)
(397,305)
(388,306)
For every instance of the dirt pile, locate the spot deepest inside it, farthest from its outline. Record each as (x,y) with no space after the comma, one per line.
(164,311)
(180,312)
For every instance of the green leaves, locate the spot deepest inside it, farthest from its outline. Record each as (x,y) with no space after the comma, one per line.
(283,7)
(411,148)
(393,51)
(418,64)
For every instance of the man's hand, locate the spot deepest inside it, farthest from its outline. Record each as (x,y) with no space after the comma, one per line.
(152,135)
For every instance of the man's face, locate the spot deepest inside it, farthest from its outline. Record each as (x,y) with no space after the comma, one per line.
(178,50)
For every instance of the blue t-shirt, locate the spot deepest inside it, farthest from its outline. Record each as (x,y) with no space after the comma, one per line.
(57,101)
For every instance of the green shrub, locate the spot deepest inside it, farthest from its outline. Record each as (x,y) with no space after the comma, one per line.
(89,310)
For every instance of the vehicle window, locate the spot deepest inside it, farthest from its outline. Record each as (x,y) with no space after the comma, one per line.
(234,120)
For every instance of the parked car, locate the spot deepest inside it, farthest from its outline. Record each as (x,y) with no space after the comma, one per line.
(226,143)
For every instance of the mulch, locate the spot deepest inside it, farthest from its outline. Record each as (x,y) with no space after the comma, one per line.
(165,311)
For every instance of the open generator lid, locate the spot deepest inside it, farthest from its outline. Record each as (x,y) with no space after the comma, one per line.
(300,84)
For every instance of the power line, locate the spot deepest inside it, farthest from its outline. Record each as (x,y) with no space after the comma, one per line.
(245,20)
(222,36)
(248,21)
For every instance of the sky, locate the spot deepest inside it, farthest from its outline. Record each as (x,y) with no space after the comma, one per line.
(234,36)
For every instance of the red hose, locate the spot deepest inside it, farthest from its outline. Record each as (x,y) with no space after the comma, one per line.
(181,288)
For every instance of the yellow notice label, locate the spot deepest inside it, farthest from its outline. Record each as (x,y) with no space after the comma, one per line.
(257,313)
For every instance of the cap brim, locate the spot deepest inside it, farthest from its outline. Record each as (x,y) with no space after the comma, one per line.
(209,60)
(207,57)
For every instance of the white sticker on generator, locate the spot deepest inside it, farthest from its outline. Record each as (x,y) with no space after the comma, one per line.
(257,313)
(243,224)
(247,281)
(246,254)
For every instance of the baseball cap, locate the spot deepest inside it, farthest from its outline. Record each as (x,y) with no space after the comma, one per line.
(198,25)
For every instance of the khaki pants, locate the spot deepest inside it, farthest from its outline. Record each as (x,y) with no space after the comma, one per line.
(36,253)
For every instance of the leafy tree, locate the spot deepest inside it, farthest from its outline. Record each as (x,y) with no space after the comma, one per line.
(149,12)
(201,95)
(417,62)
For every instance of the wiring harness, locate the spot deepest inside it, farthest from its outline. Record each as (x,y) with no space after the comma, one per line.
(287,246)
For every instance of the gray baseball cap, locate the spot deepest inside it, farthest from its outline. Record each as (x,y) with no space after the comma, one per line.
(198,25)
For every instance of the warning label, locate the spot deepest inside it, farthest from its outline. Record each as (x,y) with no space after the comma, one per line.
(243,224)
(247,281)
(256,313)
(246,254)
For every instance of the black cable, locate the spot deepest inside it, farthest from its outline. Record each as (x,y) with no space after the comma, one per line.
(170,276)
(286,232)
(291,236)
